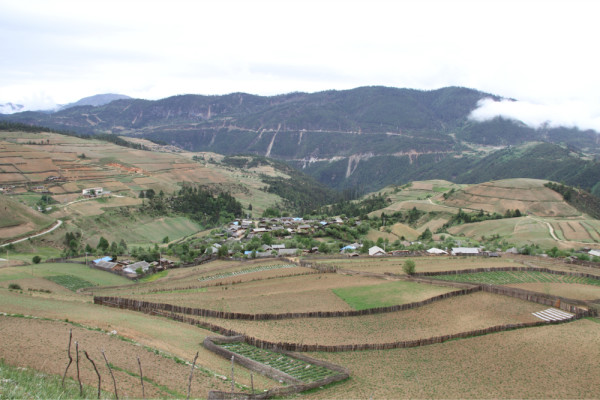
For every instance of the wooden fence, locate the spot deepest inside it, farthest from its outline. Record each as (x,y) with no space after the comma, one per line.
(174,312)
(138,305)
(294,385)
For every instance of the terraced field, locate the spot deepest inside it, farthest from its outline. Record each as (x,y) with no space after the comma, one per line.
(298,369)
(512,277)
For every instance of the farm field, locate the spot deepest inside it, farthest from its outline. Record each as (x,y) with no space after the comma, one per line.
(255,286)
(458,314)
(575,291)
(423,264)
(388,294)
(513,277)
(530,196)
(176,339)
(28,341)
(288,294)
(546,362)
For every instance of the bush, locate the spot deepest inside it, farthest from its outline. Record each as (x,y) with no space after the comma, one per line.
(15,286)
(36,259)
(409,267)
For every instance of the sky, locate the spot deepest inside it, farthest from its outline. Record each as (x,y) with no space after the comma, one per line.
(544,54)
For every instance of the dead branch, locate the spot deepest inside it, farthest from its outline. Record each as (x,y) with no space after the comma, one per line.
(111,374)
(192,373)
(95,369)
(70,358)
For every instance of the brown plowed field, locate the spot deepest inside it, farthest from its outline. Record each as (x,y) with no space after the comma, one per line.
(423,264)
(569,290)
(42,345)
(558,362)
(457,314)
(290,294)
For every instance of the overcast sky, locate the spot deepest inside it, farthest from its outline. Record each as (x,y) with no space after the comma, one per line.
(542,53)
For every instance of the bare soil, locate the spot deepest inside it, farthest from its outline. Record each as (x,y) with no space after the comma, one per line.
(458,314)
(42,345)
(569,290)
(558,362)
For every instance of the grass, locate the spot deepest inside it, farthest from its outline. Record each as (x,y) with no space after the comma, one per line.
(23,383)
(43,270)
(387,294)
(71,282)
(512,277)
(154,277)
(301,370)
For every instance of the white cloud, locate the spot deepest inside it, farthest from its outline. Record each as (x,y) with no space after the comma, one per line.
(569,114)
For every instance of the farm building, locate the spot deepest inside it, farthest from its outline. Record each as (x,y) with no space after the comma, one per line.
(436,251)
(594,253)
(376,251)
(465,251)
(91,192)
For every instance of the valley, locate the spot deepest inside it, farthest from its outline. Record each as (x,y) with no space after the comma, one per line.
(289,277)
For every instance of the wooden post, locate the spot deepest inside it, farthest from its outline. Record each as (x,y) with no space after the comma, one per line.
(70,358)
(191,373)
(232,377)
(77,363)
(141,378)
(95,369)
(111,374)
(252,382)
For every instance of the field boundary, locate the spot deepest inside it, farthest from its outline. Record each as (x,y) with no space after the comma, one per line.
(501,269)
(547,300)
(138,305)
(295,385)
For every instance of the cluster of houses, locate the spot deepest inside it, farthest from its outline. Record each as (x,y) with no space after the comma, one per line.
(290,225)
(130,269)
(456,251)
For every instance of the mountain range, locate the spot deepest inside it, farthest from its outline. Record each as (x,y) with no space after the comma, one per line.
(363,138)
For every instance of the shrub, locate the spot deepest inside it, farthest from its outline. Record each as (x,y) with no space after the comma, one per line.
(36,259)
(409,267)
(15,286)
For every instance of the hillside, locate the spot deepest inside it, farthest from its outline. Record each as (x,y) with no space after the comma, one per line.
(38,165)
(529,196)
(18,219)
(364,138)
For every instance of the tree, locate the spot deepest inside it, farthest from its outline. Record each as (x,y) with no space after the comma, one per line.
(426,235)
(102,244)
(409,267)
(223,251)
(36,259)
(150,193)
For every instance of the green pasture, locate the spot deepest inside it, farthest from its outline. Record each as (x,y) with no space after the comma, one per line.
(155,231)
(388,294)
(46,270)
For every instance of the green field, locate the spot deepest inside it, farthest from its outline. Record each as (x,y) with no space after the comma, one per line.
(387,294)
(73,283)
(298,369)
(512,277)
(45,270)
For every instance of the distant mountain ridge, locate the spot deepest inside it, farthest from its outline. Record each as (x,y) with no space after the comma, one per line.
(366,137)
(95,101)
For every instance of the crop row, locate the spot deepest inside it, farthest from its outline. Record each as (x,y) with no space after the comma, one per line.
(298,369)
(245,271)
(512,277)
(71,282)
